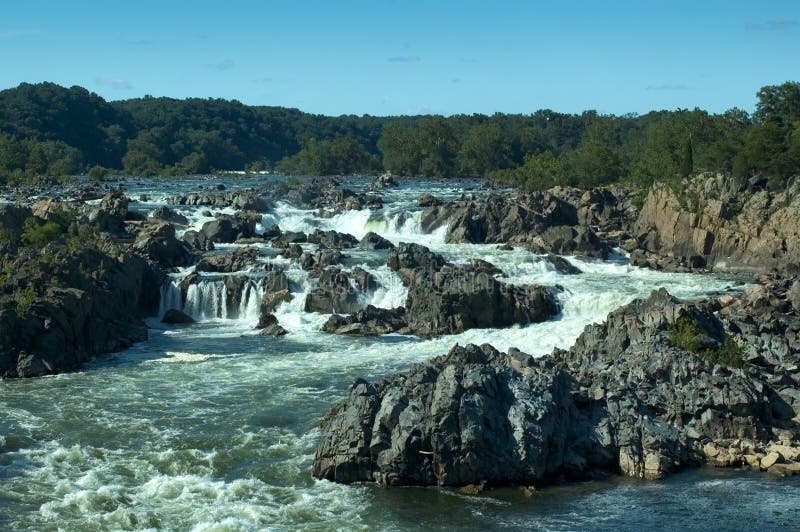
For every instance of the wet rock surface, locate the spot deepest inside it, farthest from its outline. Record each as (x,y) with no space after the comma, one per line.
(623,400)
(453,300)
(233,261)
(445,299)
(371,321)
(58,311)
(333,294)
(158,242)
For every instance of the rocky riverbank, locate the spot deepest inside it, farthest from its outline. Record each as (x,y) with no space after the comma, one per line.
(72,287)
(716,223)
(661,385)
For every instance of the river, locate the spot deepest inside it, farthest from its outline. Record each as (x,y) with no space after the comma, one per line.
(213,427)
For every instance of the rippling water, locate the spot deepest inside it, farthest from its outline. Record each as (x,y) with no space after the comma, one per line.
(212,427)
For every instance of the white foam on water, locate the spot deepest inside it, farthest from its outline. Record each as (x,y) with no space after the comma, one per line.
(157,440)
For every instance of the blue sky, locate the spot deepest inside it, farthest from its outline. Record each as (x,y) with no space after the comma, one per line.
(407,56)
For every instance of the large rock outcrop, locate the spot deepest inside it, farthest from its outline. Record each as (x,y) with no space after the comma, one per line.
(446,299)
(560,220)
(333,294)
(625,399)
(718,224)
(73,307)
(158,243)
(453,300)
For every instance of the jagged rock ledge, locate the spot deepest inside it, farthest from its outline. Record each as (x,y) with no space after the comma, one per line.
(628,398)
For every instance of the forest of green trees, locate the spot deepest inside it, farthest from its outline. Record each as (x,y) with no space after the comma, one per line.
(49,130)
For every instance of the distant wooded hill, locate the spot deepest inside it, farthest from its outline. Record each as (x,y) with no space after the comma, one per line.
(46,129)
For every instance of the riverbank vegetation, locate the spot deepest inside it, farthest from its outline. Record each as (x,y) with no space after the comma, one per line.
(46,129)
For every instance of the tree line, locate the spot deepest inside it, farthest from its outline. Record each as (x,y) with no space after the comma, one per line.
(46,129)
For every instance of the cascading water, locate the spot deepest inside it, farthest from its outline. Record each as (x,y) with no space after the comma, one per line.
(249,307)
(208,299)
(212,427)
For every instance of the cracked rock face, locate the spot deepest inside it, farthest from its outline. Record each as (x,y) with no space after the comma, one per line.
(717,226)
(623,400)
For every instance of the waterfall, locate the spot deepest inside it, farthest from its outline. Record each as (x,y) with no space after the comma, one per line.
(207,299)
(170,296)
(250,305)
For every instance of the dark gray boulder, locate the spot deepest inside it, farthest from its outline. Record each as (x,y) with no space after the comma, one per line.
(623,400)
(456,299)
(176,317)
(374,241)
(411,260)
(235,260)
(428,200)
(365,281)
(219,231)
(381,182)
(320,259)
(197,241)
(165,214)
(371,321)
(568,240)
(333,294)
(289,238)
(562,265)
(158,243)
(230,228)
(269,326)
(332,239)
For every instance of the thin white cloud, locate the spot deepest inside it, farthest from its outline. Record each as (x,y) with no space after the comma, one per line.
(668,87)
(419,109)
(225,64)
(114,83)
(776,24)
(405,59)
(10,33)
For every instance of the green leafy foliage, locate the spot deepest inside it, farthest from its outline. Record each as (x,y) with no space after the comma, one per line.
(37,234)
(47,130)
(340,156)
(687,334)
(97,173)
(25,299)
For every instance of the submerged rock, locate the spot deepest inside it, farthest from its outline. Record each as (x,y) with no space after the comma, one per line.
(375,241)
(371,321)
(174,317)
(562,265)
